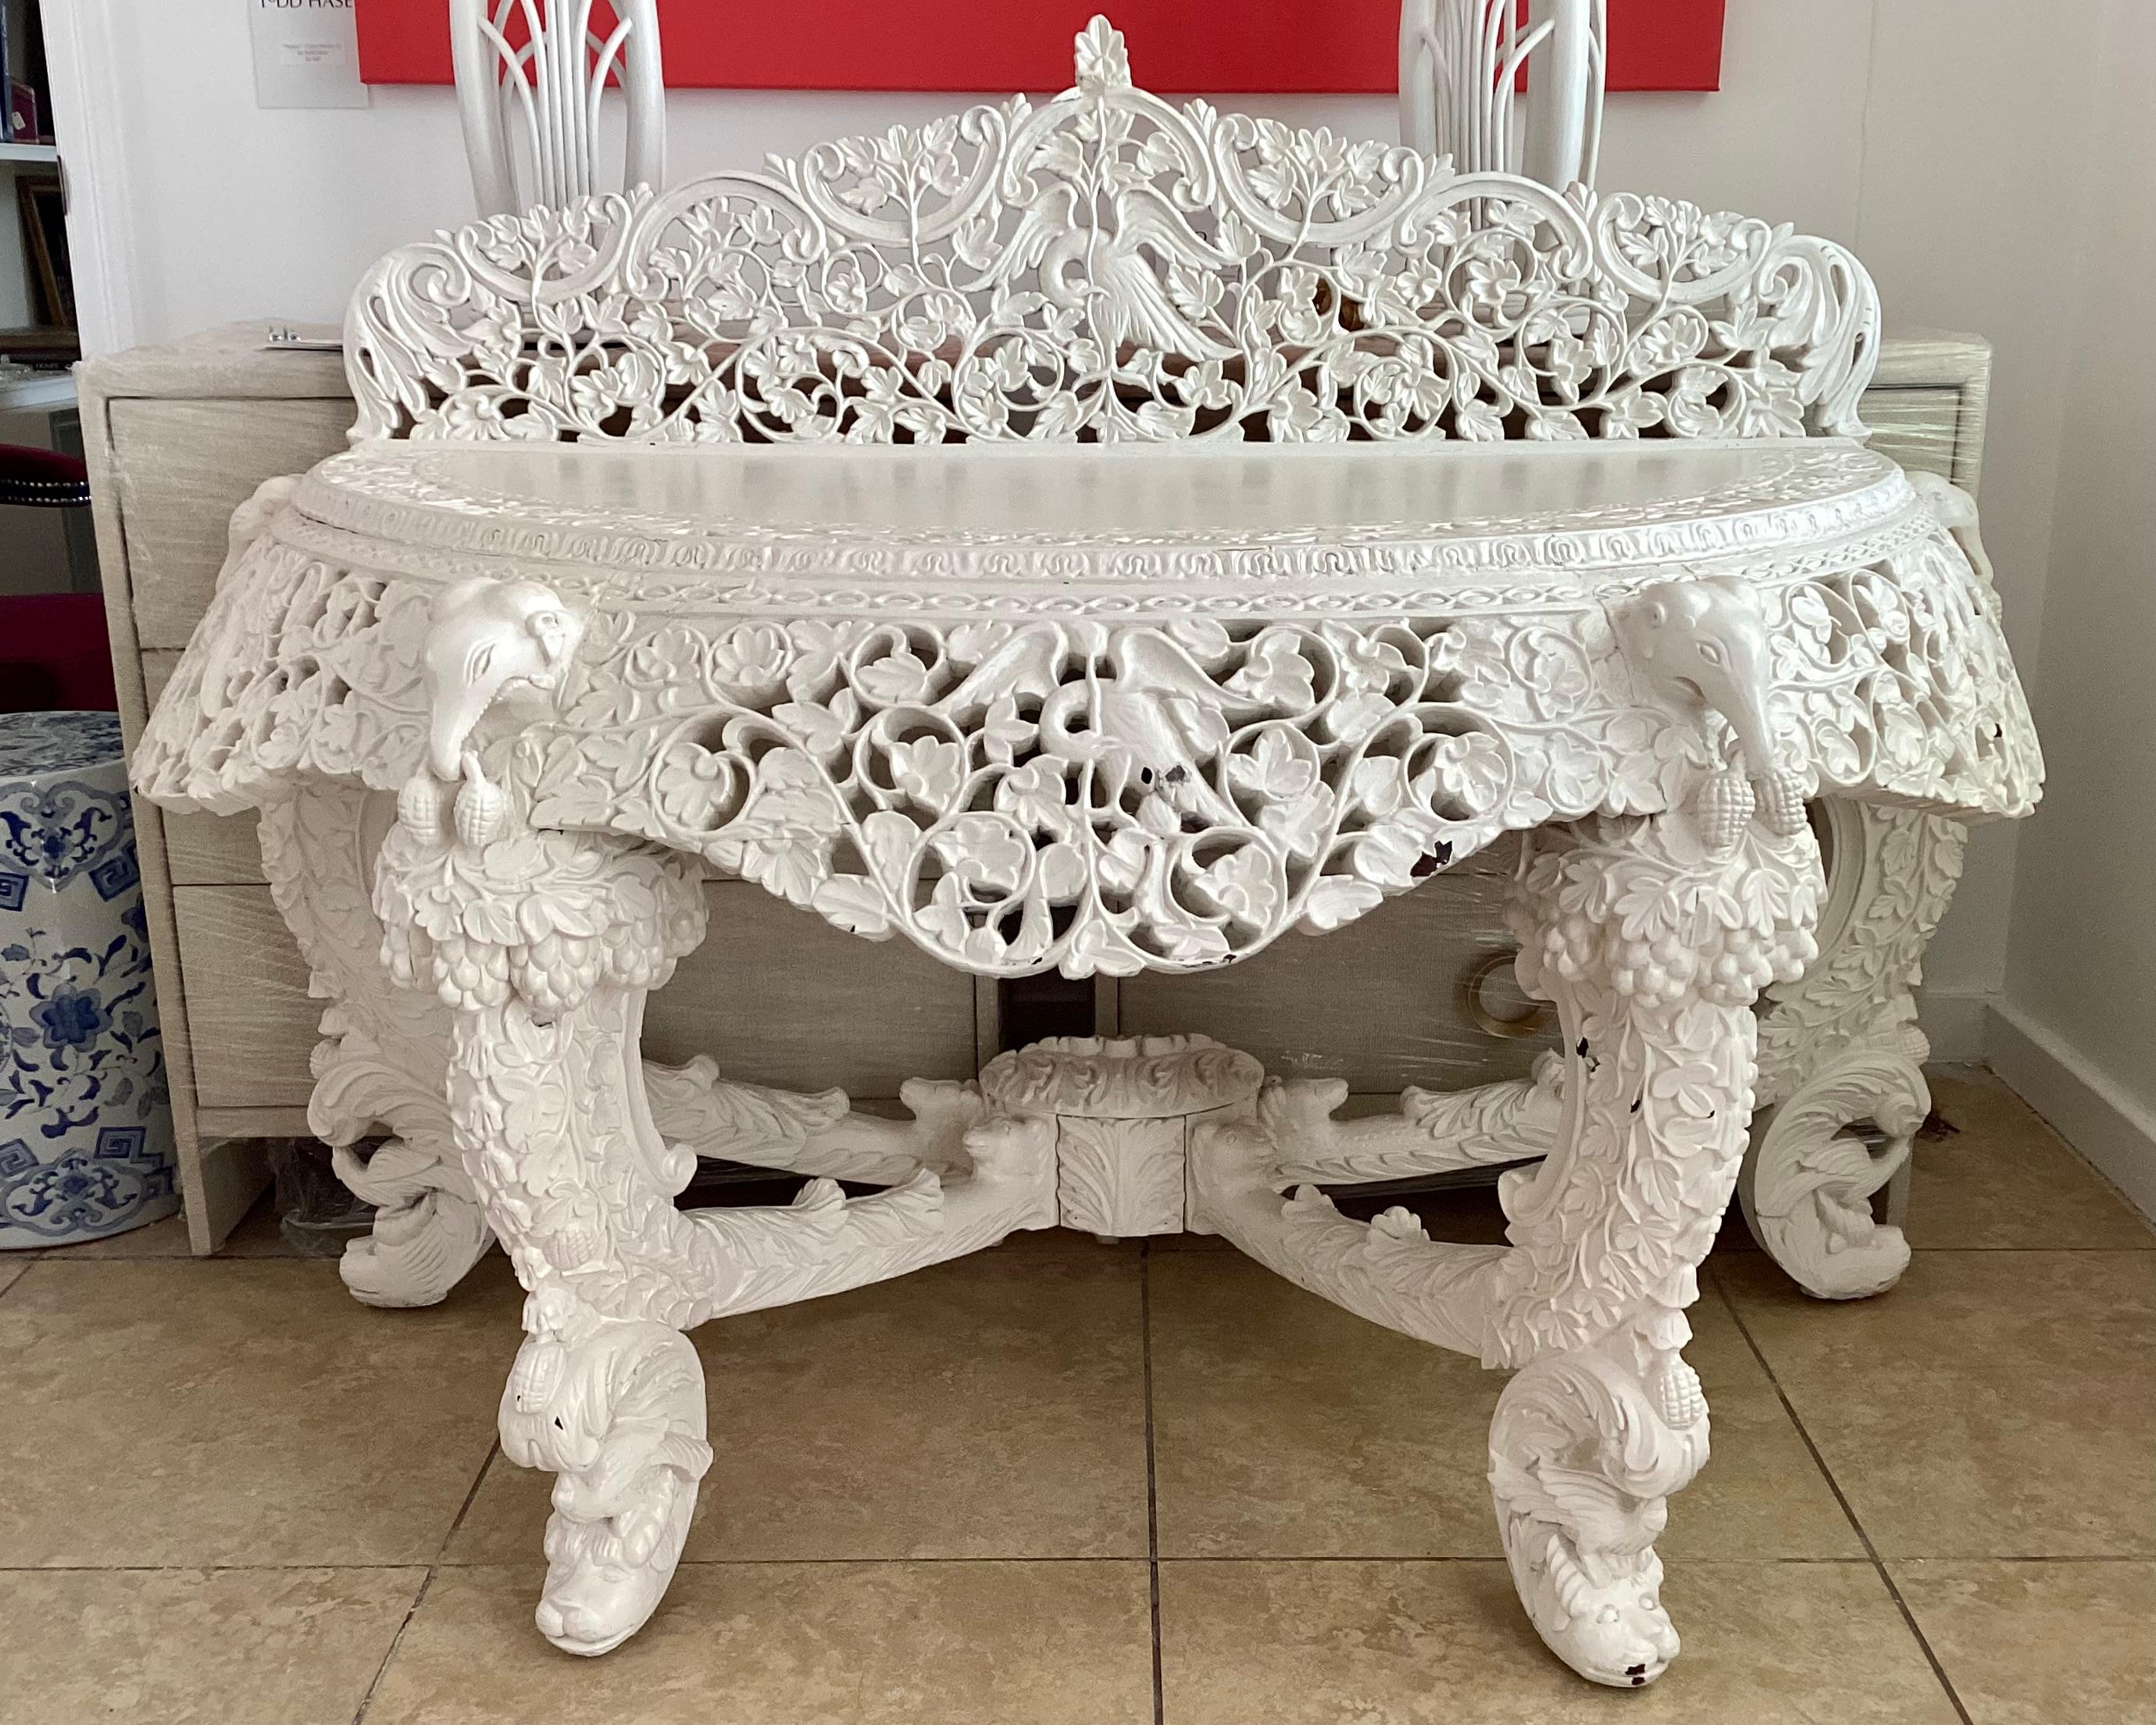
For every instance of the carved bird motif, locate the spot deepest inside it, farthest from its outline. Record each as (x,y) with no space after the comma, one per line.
(1115,277)
(1157,721)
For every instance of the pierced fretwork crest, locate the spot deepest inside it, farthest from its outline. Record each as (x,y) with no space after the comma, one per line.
(1108,267)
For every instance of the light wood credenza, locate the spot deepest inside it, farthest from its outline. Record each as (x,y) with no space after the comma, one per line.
(178,436)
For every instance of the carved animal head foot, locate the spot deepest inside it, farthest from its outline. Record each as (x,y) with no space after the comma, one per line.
(605,1578)
(1613,1632)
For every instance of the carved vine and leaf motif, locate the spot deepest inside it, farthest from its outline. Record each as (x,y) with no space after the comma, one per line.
(1097,795)
(1014,796)
(1106,267)
(1176,795)
(1082,790)
(1145,768)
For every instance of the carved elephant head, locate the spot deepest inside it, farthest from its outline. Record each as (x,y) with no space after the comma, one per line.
(252,519)
(1704,643)
(488,638)
(1955,510)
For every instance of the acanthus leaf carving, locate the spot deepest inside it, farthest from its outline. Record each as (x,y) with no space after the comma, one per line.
(1121,1078)
(1585,1450)
(1119,1179)
(1434,1130)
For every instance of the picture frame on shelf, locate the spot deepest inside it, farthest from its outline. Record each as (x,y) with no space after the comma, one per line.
(41,204)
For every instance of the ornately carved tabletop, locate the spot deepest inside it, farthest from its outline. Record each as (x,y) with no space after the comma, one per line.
(1152,703)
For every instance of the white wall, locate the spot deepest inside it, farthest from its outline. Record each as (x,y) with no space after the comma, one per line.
(2080,985)
(1937,136)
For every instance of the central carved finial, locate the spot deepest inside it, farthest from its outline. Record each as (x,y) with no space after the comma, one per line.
(1104,64)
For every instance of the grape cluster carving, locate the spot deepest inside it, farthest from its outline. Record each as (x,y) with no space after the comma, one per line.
(1659,931)
(543,917)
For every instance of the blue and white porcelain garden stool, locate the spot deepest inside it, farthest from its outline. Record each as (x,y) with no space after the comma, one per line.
(86,1127)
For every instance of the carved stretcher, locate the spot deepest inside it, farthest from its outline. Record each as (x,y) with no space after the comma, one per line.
(1106,537)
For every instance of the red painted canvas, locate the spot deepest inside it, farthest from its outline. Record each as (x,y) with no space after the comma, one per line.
(990,45)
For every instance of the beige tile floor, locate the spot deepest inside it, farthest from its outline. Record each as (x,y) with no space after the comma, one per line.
(1061,1484)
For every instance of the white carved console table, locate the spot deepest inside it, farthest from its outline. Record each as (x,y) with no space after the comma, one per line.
(1303,517)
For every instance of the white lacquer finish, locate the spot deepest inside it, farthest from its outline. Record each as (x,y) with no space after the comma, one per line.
(1003,526)
(639,569)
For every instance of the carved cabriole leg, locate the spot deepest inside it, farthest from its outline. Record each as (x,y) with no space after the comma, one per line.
(1654,936)
(381,1061)
(1654,945)
(1841,1046)
(543,946)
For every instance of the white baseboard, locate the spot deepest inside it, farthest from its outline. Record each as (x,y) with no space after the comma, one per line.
(1956,1026)
(2115,1133)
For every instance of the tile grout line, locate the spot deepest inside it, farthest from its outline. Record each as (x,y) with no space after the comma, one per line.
(218,1569)
(1834,1485)
(2042,1251)
(1152,1489)
(1307,1560)
(389,1653)
(427,1581)
(471,1497)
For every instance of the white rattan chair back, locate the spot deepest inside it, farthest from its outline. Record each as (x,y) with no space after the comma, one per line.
(531,76)
(1461,62)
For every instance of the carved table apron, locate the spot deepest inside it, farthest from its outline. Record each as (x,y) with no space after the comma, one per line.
(1029,708)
